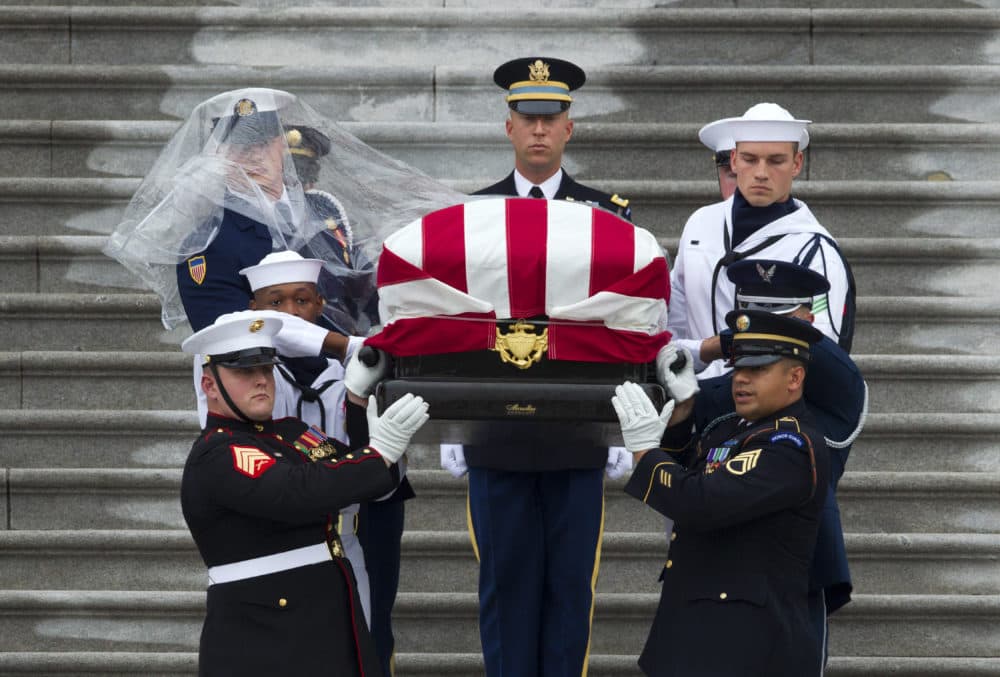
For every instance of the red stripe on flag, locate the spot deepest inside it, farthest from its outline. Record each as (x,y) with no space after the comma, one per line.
(612,250)
(444,246)
(651,282)
(393,269)
(590,343)
(527,232)
(435,335)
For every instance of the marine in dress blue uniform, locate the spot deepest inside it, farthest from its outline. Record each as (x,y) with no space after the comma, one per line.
(537,512)
(745,497)
(836,395)
(260,498)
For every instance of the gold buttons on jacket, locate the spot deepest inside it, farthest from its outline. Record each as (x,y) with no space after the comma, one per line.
(673,535)
(723,595)
(282,602)
(670,563)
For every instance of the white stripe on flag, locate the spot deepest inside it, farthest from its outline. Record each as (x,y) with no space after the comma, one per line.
(568,254)
(486,253)
(408,244)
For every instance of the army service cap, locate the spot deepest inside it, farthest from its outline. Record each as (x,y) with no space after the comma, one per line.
(539,85)
(237,340)
(761,338)
(775,286)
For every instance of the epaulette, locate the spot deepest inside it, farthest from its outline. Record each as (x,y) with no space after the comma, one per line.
(209,433)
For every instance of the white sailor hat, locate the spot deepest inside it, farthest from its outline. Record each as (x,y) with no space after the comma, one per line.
(282,268)
(237,340)
(761,122)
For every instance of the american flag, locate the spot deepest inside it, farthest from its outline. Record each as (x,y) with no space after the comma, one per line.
(602,282)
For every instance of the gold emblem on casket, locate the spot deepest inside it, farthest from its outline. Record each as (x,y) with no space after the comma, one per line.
(520,346)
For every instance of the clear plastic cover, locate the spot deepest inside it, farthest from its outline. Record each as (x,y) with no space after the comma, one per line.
(267,155)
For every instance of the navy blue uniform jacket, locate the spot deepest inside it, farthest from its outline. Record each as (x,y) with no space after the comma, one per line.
(745,503)
(835,395)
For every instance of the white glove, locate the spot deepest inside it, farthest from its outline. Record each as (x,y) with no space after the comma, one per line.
(298,337)
(680,386)
(390,433)
(453,459)
(359,378)
(642,427)
(619,462)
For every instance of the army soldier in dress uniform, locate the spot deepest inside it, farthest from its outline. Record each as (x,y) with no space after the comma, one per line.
(746,499)
(539,127)
(835,393)
(260,497)
(537,534)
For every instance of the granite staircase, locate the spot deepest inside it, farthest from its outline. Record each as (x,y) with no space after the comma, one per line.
(98,574)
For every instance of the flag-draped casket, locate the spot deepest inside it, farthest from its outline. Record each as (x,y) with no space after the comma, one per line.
(590,291)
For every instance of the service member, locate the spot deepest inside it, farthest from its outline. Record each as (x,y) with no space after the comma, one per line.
(538,534)
(761,218)
(745,499)
(281,598)
(539,127)
(836,395)
(314,389)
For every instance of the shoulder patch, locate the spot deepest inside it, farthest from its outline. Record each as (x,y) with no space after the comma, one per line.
(250,461)
(787,437)
(197,267)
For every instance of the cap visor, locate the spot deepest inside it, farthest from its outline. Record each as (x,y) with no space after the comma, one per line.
(536,107)
(755,360)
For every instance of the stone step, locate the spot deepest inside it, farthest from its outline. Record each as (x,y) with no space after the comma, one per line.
(163,664)
(149,664)
(120,380)
(870,503)
(48,438)
(852,93)
(46,206)
(873,625)
(51,500)
(631,562)
(882,266)
(429,35)
(837,152)
(886,324)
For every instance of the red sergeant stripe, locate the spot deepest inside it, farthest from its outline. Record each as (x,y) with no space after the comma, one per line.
(444,246)
(612,250)
(527,232)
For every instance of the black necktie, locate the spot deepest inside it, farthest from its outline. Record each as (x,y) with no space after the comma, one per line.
(536,192)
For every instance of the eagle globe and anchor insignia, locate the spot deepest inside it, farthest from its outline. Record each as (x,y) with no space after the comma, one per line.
(520,346)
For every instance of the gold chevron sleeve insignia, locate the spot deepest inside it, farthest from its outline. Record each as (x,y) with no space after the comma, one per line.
(250,461)
(743,463)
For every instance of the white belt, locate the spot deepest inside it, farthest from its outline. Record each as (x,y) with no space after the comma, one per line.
(269,564)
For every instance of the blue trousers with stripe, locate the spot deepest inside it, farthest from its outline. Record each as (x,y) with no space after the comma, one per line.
(538,539)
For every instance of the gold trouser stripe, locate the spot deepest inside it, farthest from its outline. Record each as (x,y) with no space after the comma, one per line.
(468,522)
(593,587)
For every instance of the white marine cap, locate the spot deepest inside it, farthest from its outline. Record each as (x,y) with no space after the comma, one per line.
(282,268)
(762,122)
(240,339)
